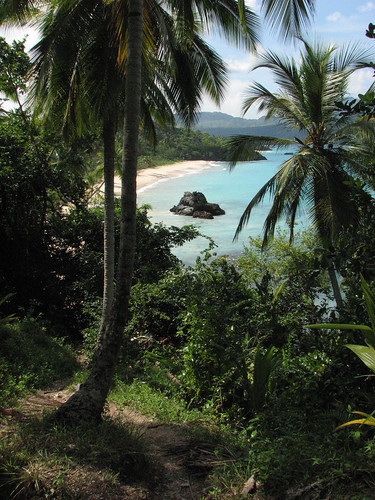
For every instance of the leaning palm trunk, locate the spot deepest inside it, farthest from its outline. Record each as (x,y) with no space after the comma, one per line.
(88,402)
(334,283)
(109,130)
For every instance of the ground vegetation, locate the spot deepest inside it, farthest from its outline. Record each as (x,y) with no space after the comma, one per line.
(221,388)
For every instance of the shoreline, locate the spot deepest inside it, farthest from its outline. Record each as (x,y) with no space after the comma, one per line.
(147,177)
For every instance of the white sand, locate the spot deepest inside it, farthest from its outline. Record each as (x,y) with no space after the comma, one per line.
(149,176)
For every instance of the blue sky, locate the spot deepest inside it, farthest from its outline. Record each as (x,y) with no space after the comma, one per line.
(337,21)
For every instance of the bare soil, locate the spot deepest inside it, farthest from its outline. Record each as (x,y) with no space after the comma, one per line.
(175,465)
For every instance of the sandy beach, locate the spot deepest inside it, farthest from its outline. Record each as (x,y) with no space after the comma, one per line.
(149,176)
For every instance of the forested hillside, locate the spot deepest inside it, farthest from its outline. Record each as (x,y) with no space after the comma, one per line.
(178,144)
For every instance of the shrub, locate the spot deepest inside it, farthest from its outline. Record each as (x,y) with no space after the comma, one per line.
(30,359)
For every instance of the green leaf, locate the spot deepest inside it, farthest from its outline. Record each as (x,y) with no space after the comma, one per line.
(368,420)
(7,297)
(339,326)
(368,332)
(359,421)
(365,354)
(370,304)
(263,365)
(278,292)
(363,414)
(242,14)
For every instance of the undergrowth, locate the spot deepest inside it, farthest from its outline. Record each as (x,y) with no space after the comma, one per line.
(38,460)
(30,359)
(289,446)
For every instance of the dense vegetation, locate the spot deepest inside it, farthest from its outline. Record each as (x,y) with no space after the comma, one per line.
(224,341)
(223,347)
(180,144)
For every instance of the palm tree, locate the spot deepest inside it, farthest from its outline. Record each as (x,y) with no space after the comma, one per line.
(237,23)
(89,401)
(319,173)
(78,77)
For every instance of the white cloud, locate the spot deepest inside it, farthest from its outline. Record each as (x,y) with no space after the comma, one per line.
(243,65)
(340,26)
(335,16)
(361,81)
(253,4)
(369,6)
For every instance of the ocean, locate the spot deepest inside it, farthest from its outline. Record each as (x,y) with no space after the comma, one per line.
(232,190)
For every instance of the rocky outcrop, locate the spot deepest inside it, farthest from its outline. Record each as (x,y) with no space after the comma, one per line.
(195,205)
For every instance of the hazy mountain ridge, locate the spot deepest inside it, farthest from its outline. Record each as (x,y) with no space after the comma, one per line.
(222,124)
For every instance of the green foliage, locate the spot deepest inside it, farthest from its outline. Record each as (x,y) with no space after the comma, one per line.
(154,243)
(14,67)
(30,359)
(52,259)
(264,365)
(366,353)
(179,144)
(31,192)
(217,337)
(370,305)
(201,320)
(199,349)
(290,284)
(148,400)
(363,105)
(219,319)
(157,309)
(293,449)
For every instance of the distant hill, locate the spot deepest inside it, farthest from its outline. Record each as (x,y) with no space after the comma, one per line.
(221,124)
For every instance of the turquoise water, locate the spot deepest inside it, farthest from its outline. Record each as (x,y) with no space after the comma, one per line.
(231,190)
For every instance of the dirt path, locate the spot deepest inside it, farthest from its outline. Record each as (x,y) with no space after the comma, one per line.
(182,462)
(178,464)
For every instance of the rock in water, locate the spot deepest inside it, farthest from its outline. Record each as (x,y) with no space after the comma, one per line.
(202,214)
(195,204)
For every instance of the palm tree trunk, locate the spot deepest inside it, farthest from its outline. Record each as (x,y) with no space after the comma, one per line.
(334,283)
(109,131)
(88,402)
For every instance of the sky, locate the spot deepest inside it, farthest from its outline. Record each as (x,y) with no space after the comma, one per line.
(335,21)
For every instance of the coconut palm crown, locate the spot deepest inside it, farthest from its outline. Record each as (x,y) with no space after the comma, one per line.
(320,172)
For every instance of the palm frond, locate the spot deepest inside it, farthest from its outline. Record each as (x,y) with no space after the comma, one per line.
(18,11)
(285,188)
(210,69)
(275,105)
(288,17)
(268,187)
(332,195)
(285,71)
(353,56)
(289,195)
(239,147)
(318,175)
(237,25)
